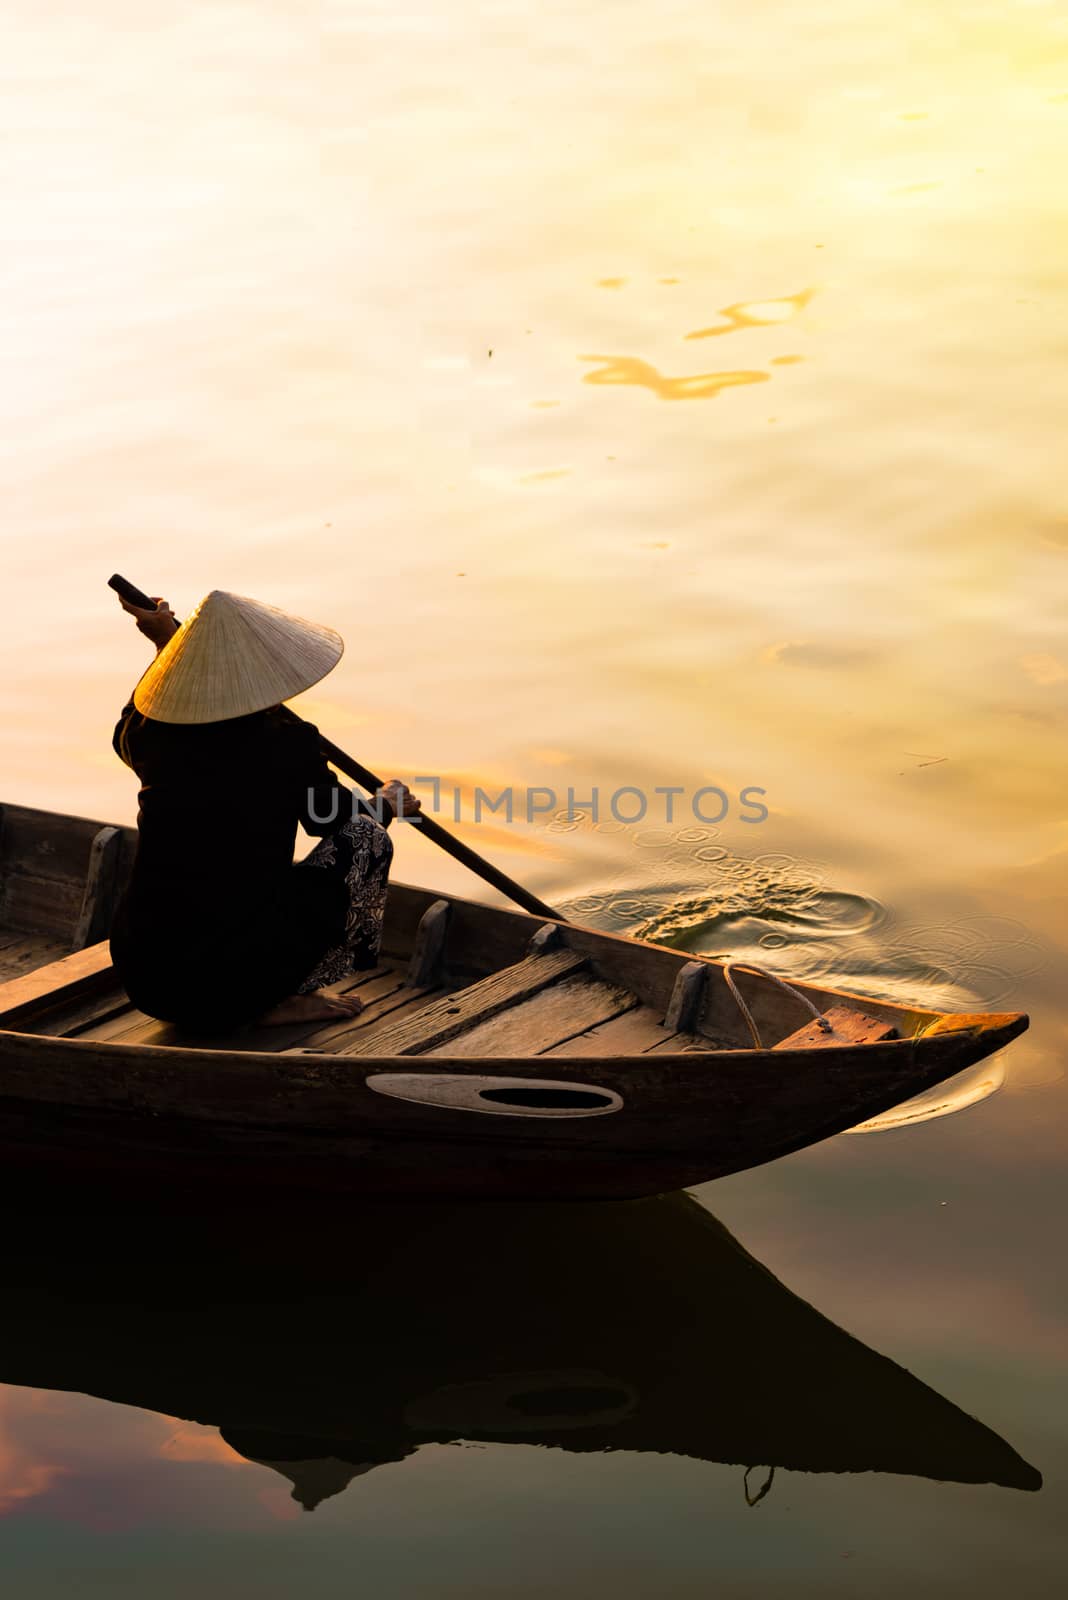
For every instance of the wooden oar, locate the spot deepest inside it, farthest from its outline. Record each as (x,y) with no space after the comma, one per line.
(366,779)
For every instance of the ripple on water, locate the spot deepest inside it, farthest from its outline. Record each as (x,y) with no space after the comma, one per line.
(778,911)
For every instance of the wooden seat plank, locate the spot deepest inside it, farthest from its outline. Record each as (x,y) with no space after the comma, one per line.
(451,1015)
(85,972)
(533,1027)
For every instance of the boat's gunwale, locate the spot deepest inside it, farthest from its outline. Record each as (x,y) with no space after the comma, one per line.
(1015,1022)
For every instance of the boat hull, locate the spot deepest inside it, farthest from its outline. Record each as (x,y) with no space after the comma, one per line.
(313,1121)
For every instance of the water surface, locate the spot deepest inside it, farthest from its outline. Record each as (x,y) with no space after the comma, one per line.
(653,396)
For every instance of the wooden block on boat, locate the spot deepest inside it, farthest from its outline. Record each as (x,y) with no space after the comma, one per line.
(445,1018)
(429,947)
(101,893)
(686,997)
(850,1027)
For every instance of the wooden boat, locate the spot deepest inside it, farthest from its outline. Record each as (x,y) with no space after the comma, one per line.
(497,1055)
(325,1344)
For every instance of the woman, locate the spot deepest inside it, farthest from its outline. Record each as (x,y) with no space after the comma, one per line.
(218,927)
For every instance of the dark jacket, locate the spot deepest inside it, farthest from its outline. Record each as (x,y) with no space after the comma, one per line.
(217,923)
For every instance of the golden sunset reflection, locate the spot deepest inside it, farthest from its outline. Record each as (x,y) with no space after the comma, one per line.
(695,386)
(757,314)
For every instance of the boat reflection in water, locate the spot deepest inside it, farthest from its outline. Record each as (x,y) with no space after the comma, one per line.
(325,1349)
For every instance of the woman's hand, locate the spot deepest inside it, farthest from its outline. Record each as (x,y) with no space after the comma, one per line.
(160,625)
(400,797)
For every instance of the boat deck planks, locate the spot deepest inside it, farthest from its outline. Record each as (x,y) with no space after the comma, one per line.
(75,1018)
(459,1011)
(639,1030)
(383,992)
(555,1017)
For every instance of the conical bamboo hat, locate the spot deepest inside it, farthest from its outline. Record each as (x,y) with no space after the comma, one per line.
(234,656)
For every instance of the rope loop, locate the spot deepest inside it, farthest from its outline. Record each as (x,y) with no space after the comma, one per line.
(755,1499)
(747,966)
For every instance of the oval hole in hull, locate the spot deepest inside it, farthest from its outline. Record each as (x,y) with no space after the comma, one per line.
(497,1096)
(549,1099)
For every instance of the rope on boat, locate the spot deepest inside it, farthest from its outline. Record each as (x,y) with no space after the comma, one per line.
(755,1499)
(746,966)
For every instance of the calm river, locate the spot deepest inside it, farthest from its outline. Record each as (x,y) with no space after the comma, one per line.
(663,396)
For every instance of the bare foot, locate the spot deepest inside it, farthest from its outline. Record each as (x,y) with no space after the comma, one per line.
(314,1007)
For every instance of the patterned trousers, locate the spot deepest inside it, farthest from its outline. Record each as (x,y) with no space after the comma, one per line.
(359,853)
